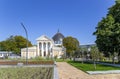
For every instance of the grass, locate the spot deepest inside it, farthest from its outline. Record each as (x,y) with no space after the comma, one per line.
(90,67)
(62,60)
(26,73)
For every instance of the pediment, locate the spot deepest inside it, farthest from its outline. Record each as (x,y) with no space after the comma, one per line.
(43,38)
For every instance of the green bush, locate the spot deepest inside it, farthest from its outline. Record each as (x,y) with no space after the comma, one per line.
(38,58)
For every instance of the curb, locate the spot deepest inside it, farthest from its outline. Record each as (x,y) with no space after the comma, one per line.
(56,76)
(104,72)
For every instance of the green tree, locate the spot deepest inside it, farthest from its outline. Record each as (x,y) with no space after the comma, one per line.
(108,32)
(21,43)
(115,11)
(94,54)
(83,53)
(104,34)
(14,44)
(71,44)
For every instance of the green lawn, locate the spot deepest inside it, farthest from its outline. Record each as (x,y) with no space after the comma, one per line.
(26,73)
(90,67)
(62,60)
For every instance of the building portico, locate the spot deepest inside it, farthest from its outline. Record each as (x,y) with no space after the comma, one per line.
(44,45)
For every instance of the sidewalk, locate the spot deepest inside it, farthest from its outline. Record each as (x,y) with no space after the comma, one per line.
(67,71)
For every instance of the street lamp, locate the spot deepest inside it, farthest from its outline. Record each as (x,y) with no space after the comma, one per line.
(26,42)
(82,56)
(0,47)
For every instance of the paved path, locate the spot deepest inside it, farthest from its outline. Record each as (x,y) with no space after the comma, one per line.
(67,71)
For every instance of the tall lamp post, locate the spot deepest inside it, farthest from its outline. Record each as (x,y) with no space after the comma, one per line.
(26,42)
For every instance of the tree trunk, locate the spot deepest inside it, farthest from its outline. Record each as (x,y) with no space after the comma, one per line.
(109,56)
(82,58)
(119,58)
(113,59)
(94,65)
(73,58)
(82,61)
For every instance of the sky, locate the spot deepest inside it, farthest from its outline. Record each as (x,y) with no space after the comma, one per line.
(76,18)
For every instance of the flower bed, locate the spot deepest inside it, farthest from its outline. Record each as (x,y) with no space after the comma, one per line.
(26,73)
(29,62)
(8,62)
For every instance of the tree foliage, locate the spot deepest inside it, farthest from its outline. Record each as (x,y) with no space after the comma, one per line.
(14,44)
(105,34)
(108,31)
(71,44)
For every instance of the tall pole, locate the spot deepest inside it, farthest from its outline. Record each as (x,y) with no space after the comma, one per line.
(26,43)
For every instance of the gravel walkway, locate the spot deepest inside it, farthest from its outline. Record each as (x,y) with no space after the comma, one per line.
(67,71)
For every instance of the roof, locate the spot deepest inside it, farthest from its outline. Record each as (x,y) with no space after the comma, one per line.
(5,52)
(58,36)
(33,47)
(87,45)
(43,37)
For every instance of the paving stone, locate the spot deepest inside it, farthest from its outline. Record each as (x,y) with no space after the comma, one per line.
(67,71)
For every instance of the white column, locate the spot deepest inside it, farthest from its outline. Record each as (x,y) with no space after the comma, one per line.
(51,47)
(46,49)
(38,49)
(42,51)
(59,52)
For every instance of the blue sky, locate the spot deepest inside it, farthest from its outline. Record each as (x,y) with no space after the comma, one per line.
(76,18)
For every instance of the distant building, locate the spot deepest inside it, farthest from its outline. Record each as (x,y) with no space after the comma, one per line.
(4,54)
(87,45)
(46,47)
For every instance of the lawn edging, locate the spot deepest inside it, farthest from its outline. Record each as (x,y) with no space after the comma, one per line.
(103,72)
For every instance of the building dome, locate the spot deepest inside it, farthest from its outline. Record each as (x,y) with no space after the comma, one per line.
(58,37)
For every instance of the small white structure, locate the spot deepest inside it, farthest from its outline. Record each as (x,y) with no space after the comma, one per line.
(4,54)
(46,47)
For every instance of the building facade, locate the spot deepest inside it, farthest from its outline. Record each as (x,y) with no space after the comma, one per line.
(46,47)
(4,54)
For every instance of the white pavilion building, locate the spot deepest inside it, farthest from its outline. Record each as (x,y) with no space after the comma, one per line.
(46,47)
